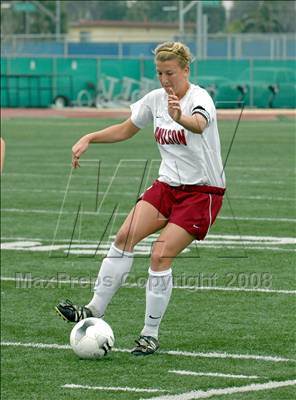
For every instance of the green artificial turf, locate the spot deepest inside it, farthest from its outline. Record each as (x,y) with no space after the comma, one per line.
(249,250)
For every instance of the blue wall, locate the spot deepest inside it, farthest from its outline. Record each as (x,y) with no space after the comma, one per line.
(217,47)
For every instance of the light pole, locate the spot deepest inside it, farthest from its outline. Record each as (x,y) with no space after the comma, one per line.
(199,23)
(58,19)
(54,17)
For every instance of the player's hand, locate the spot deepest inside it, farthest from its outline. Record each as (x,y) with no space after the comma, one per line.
(78,149)
(174,107)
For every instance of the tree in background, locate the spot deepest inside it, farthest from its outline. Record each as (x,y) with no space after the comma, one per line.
(43,23)
(139,10)
(216,18)
(245,16)
(158,11)
(96,10)
(262,16)
(21,22)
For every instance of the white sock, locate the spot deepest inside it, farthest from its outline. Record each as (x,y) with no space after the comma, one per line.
(113,272)
(158,292)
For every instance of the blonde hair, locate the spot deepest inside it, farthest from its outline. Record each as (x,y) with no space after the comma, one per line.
(173,51)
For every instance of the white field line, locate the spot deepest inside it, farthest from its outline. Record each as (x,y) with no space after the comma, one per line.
(85,247)
(167,352)
(200,394)
(272,219)
(70,191)
(57,212)
(112,388)
(152,238)
(257,169)
(227,355)
(213,374)
(133,178)
(25,280)
(138,250)
(93,192)
(144,249)
(263,181)
(105,178)
(226,289)
(94,162)
(53,346)
(264,198)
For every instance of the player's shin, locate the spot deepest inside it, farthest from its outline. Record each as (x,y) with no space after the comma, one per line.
(113,272)
(158,292)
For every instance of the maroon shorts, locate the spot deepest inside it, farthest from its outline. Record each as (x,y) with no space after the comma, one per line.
(192,207)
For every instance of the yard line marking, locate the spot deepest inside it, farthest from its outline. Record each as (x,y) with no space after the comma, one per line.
(258,219)
(268,198)
(41,211)
(166,352)
(226,247)
(258,169)
(260,182)
(62,191)
(56,212)
(236,289)
(26,280)
(201,394)
(112,164)
(38,345)
(221,288)
(144,249)
(103,252)
(133,178)
(153,237)
(227,355)
(253,238)
(112,388)
(213,374)
(105,178)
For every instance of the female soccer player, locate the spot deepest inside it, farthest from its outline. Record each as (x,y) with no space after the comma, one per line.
(183,202)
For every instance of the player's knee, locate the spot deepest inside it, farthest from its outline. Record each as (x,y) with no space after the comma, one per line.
(123,240)
(157,260)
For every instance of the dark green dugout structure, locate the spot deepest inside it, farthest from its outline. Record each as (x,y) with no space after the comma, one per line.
(42,82)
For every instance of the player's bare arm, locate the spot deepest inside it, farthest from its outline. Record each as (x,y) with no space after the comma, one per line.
(111,134)
(195,123)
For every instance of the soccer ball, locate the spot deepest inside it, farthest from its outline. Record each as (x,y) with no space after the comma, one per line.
(92,338)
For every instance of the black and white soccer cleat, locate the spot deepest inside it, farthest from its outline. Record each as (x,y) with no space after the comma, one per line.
(72,313)
(145,345)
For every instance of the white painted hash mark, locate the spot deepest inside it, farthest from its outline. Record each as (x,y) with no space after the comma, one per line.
(213,374)
(112,388)
(200,394)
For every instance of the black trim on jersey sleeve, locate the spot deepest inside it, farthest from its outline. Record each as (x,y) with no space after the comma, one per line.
(203,112)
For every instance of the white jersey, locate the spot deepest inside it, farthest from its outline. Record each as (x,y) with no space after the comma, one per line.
(187,158)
